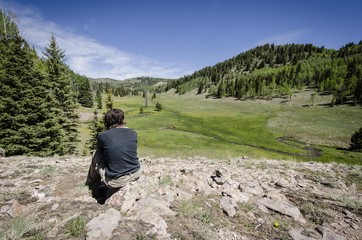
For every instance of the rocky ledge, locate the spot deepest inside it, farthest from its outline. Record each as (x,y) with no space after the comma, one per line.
(195,198)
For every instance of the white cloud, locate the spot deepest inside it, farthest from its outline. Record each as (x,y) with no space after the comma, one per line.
(87,56)
(285,38)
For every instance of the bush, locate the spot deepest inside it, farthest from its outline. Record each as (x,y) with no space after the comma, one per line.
(76,227)
(158,106)
(356,141)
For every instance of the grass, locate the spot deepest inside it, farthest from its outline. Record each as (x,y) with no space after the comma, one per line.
(19,227)
(75,227)
(49,170)
(195,209)
(190,125)
(316,213)
(166,181)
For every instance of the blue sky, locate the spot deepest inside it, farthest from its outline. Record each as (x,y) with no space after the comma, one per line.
(163,38)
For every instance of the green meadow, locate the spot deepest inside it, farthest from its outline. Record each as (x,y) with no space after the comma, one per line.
(192,125)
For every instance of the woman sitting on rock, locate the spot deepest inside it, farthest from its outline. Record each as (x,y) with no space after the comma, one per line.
(115,162)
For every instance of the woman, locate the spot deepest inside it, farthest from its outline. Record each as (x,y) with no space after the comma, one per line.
(115,162)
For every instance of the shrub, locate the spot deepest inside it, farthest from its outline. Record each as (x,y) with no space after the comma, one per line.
(356,141)
(158,106)
(76,227)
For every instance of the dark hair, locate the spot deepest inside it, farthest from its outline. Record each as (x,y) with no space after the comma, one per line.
(114,118)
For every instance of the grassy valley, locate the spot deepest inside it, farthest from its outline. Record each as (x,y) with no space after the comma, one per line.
(192,125)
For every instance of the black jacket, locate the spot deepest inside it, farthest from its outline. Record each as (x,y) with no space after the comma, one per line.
(119,151)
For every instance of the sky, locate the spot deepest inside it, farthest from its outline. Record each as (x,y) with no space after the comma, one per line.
(122,39)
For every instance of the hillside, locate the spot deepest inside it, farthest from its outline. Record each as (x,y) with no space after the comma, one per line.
(128,86)
(194,198)
(272,71)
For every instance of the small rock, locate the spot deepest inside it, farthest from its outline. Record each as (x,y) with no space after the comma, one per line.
(252,188)
(303,234)
(227,234)
(328,234)
(354,226)
(228,205)
(15,209)
(55,207)
(4,209)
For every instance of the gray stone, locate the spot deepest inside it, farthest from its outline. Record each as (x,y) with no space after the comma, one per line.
(15,209)
(303,234)
(205,189)
(252,188)
(328,234)
(283,207)
(160,225)
(156,205)
(228,234)
(228,205)
(101,227)
(238,196)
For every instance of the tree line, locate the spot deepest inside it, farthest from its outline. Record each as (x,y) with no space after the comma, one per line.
(275,71)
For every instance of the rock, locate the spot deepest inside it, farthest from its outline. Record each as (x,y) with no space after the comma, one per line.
(283,183)
(170,194)
(15,209)
(227,234)
(283,207)
(55,207)
(4,209)
(156,205)
(220,177)
(160,225)
(150,210)
(328,234)
(101,227)
(228,205)
(276,195)
(252,188)
(238,196)
(204,188)
(303,234)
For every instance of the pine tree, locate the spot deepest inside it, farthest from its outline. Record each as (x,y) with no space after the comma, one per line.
(356,141)
(109,100)
(96,127)
(85,95)
(61,88)
(158,107)
(99,99)
(27,123)
(221,90)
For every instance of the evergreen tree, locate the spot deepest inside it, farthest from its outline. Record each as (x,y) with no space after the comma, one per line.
(356,141)
(158,107)
(99,99)
(221,90)
(85,95)
(96,127)
(27,123)
(61,88)
(109,100)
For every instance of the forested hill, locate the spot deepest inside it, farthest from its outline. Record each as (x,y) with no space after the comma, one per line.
(270,71)
(128,86)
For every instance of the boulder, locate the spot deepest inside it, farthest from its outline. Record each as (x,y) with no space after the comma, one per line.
(102,226)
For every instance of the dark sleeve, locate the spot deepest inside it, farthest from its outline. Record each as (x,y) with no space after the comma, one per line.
(99,144)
